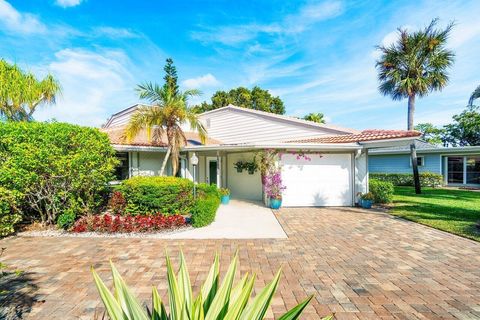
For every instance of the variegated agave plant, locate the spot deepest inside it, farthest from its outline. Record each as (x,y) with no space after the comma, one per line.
(214,302)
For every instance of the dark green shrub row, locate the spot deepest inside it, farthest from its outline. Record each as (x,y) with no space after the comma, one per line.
(382,191)
(55,167)
(427,179)
(167,195)
(9,215)
(206,206)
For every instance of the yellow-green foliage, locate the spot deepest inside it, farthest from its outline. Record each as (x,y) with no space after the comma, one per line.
(227,300)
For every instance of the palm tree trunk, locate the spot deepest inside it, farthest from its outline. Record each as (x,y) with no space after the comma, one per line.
(165,160)
(413,150)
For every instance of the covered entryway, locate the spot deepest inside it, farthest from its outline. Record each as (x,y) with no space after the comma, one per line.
(324,180)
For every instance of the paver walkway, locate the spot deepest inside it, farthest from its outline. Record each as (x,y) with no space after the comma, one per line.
(359,264)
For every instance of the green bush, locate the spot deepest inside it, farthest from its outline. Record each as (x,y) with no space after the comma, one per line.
(427,179)
(208,201)
(55,166)
(167,195)
(66,219)
(9,214)
(382,191)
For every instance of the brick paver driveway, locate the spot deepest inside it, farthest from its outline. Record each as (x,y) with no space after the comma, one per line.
(358,264)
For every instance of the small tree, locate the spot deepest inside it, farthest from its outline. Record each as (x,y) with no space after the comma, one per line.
(257,99)
(415,65)
(317,117)
(465,129)
(169,111)
(21,92)
(432,134)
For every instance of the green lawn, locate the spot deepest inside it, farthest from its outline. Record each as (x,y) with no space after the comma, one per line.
(455,211)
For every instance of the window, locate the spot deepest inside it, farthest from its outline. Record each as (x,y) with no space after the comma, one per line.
(455,170)
(122,170)
(420,161)
(473,170)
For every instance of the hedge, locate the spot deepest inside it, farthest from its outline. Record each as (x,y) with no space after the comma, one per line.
(382,191)
(9,215)
(208,201)
(55,167)
(427,179)
(165,195)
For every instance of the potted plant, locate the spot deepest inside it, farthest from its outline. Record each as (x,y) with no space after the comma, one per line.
(251,167)
(239,165)
(366,200)
(273,188)
(224,195)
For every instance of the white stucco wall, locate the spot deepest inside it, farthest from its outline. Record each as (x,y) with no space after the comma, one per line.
(243,185)
(361,173)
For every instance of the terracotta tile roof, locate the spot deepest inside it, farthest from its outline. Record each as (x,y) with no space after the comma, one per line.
(366,135)
(116,136)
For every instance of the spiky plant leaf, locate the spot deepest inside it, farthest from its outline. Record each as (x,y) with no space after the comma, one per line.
(174,297)
(220,302)
(197,309)
(235,309)
(111,305)
(130,306)
(158,309)
(184,285)
(210,286)
(237,290)
(258,307)
(296,311)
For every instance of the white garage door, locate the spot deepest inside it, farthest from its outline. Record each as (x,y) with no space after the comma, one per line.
(325,180)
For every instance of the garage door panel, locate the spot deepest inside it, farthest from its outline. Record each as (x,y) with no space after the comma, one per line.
(322,181)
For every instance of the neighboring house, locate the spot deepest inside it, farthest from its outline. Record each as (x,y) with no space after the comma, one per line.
(458,165)
(335,174)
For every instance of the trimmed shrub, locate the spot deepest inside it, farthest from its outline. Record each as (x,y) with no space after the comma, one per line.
(55,166)
(9,214)
(427,179)
(148,195)
(382,191)
(208,201)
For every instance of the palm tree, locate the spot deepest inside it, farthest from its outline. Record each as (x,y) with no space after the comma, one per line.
(475,95)
(169,111)
(315,117)
(415,65)
(21,92)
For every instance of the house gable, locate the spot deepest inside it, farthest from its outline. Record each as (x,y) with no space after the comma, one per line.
(240,125)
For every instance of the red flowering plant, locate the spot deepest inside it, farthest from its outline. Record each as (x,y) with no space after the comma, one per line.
(117,223)
(117,203)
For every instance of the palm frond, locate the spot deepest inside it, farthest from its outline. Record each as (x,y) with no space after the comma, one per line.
(475,95)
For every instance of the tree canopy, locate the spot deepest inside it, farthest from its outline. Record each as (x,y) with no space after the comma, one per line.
(21,92)
(315,117)
(465,129)
(256,98)
(431,134)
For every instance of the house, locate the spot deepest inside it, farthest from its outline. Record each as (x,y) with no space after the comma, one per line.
(322,164)
(460,166)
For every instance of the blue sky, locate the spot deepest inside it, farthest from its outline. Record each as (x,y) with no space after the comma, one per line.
(318,56)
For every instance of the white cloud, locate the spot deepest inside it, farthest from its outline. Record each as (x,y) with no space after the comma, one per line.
(93,85)
(67,3)
(13,20)
(291,24)
(207,80)
(115,33)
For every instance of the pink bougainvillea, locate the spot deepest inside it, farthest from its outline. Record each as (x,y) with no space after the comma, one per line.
(273,186)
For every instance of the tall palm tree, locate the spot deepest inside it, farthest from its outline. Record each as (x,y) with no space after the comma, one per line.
(415,65)
(475,95)
(21,92)
(169,111)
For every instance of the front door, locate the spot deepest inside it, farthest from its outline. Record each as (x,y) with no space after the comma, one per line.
(212,171)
